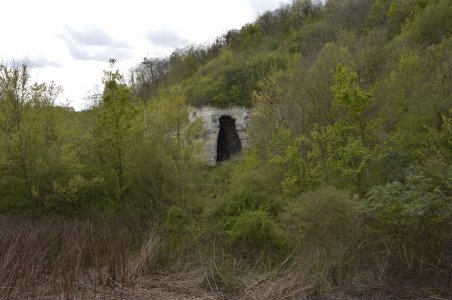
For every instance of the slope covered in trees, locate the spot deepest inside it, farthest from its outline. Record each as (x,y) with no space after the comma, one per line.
(345,192)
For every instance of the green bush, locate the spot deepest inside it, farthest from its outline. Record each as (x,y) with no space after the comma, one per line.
(231,81)
(324,229)
(245,200)
(248,220)
(414,204)
(255,231)
(322,216)
(411,221)
(433,24)
(179,236)
(13,195)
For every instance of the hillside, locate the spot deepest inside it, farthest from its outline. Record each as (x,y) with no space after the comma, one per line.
(345,192)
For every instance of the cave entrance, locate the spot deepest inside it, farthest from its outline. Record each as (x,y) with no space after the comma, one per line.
(228,142)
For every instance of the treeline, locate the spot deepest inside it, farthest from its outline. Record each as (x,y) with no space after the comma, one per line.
(348,182)
(103,160)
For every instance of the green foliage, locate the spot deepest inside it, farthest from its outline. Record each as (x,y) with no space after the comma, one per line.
(307,96)
(184,62)
(298,174)
(324,229)
(230,80)
(246,200)
(433,24)
(436,157)
(112,130)
(348,14)
(378,12)
(322,215)
(180,236)
(249,219)
(249,33)
(268,109)
(56,161)
(164,162)
(413,217)
(255,231)
(350,99)
(35,147)
(343,156)
(416,203)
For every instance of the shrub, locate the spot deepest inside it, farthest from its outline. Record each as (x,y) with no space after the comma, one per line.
(248,220)
(433,24)
(182,236)
(414,204)
(413,217)
(323,215)
(323,226)
(255,231)
(245,200)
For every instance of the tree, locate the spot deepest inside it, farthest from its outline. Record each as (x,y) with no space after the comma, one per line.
(148,76)
(433,24)
(15,95)
(33,141)
(164,162)
(346,148)
(250,34)
(351,101)
(113,129)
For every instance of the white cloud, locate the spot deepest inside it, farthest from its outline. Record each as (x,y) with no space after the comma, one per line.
(92,43)
(164,38)
(43,62)
(93,36)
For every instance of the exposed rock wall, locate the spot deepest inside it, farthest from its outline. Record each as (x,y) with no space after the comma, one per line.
(211,119)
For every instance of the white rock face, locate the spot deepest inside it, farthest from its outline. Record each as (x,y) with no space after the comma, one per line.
(211,119)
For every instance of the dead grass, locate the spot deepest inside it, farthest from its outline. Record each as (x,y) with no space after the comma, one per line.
(101,259)
(293,285)
(114,259)
(42,259)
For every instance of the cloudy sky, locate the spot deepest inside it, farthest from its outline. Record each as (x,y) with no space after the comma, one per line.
(70,41)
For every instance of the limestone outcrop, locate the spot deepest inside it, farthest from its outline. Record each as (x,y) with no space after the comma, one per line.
(225,131)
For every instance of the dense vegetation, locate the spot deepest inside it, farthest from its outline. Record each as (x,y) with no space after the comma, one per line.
(345,192)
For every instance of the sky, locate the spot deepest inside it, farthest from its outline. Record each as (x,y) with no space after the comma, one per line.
(70,41)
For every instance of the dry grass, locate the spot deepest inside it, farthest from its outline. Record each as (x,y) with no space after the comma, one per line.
(104,259)
(112,259)
(294,285)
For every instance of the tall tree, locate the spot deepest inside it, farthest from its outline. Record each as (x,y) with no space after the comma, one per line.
(32,138)
(112,130)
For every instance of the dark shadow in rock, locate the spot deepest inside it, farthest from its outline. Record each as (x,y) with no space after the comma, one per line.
(228,142)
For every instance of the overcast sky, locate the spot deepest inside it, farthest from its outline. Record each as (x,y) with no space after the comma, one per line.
(70,41)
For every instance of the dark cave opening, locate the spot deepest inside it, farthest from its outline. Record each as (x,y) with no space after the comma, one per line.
(228,142)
